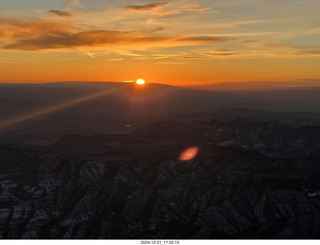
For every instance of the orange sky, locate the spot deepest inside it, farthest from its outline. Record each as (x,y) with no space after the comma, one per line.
(181,42)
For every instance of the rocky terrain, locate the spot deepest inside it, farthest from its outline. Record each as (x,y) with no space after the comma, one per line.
(249,180)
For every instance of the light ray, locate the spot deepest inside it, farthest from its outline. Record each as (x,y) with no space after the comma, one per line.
(4,125)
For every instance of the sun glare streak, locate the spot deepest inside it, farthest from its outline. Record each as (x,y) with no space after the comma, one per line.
(189,154)
(33,115)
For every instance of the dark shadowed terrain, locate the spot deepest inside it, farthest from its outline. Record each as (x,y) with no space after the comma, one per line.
(108,167)
(95,108)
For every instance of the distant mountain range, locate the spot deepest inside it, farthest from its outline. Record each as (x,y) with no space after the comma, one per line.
(261,85)
(42,113)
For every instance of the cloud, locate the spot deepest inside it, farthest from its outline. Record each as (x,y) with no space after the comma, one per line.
(45,35)
(91,55)
(222,52)
(169,12)
(16,35)
(308,53)
(147,7)
(12,30)
(193,7)
(203,39)
(9,61)
(60,13)
(155,8)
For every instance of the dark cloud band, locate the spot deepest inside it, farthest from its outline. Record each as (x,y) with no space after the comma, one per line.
(147,7)
(60,13)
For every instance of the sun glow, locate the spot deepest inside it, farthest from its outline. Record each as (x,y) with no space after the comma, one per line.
(140,82)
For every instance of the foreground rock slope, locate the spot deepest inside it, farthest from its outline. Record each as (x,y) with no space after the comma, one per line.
(250,180)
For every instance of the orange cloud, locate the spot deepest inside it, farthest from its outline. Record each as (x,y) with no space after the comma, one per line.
(194,7)
(169,12)
(308,53)
(222,52)
(11,29)
(44,35)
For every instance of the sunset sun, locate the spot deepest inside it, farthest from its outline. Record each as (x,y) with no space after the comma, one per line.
(140,82)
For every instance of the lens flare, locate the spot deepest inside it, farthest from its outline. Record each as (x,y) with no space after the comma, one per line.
(189,154)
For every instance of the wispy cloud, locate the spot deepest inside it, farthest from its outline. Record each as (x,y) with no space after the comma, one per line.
(9,61)
(147,7)
(43,36)
(164,8)
(60,13)
(193,7)
(90,54)
(172,63)
(307,53)
(12,30)
(222,52)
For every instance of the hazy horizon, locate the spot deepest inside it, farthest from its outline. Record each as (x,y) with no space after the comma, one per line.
(218,85)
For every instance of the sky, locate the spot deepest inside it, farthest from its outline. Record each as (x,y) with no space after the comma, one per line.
(178,42)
